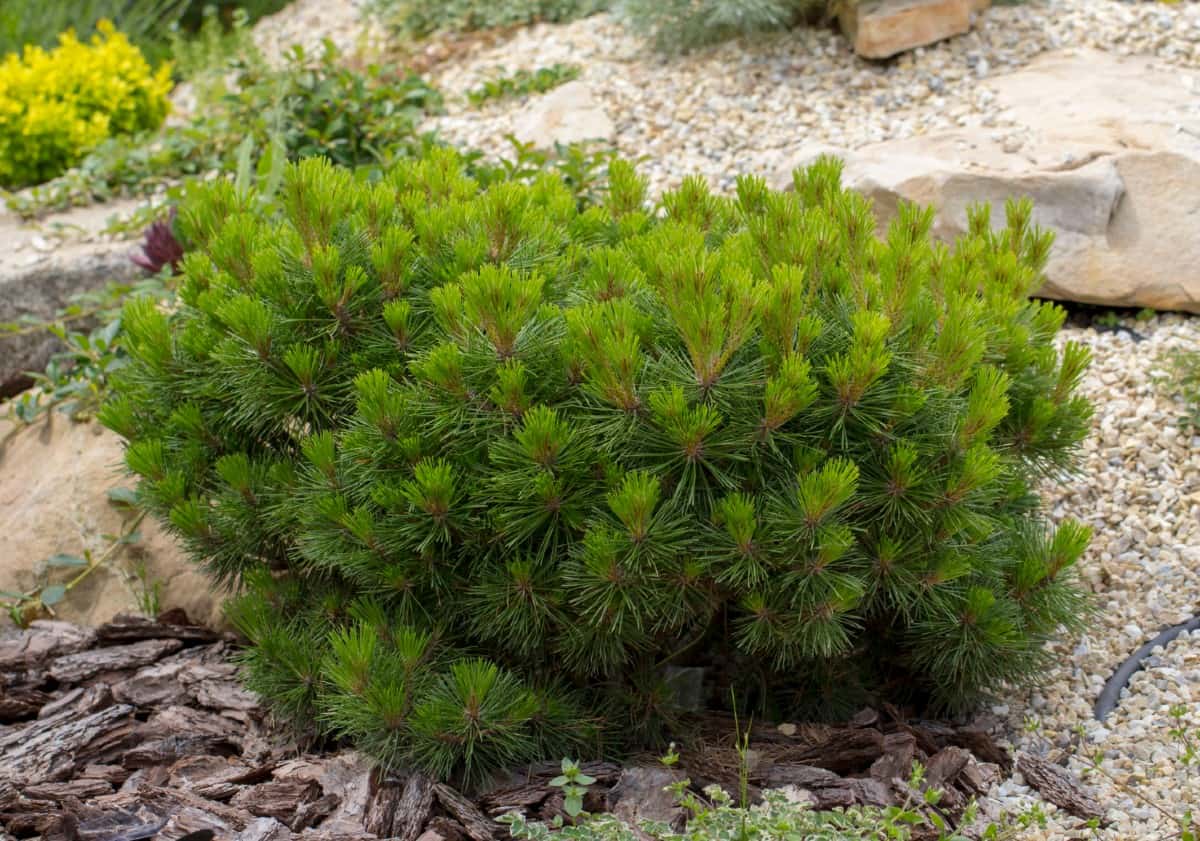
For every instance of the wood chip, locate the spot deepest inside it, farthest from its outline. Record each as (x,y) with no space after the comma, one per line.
(167,751)
(53,752)
(21,703)
(170,625)
(82,788)
(944,767)
(381,813)
(446,829)
(414,808)
(1058,786)
(279,799)
(475,823)
(74,668)
(845,751)
(43,640)
(265,829)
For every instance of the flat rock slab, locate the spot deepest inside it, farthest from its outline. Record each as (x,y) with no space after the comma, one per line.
(1108,149)
(42,266)
(884,28)
(569,113)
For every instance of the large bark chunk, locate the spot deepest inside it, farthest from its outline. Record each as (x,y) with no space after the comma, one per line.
(43,640)
(279,799)
(1059,786)
(173,624)
(53,753)
(477,825)
(74,668)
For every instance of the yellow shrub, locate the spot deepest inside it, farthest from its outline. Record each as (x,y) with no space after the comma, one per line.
(57,104)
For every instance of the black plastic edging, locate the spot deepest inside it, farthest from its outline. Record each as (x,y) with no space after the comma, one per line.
(1111,693)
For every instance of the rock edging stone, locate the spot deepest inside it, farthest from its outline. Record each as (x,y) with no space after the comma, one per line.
(1109,151)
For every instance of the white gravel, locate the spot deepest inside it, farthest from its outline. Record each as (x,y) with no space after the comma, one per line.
(1140,490)
(748,105)
(310,22)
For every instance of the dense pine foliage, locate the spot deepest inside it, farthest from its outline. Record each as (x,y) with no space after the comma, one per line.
(484,463)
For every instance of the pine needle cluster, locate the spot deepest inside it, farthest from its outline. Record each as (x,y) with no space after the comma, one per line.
(483,463)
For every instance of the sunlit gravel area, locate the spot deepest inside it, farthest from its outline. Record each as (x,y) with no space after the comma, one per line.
(750,105)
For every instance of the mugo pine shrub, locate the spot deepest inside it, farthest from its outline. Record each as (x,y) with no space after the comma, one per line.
(486,463)
(56,105)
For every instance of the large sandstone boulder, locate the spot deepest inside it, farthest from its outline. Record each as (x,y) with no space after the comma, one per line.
(1108,148)
(567,114)
(883,28)
(54,482)
(40,272)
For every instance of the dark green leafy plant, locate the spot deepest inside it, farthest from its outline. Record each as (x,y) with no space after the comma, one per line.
(486,461)
(523,83)
(681,25)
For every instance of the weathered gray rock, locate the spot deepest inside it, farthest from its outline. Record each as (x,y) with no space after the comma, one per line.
(1108,149)
(883,28)
(568,114)
(39,274)
(641,795)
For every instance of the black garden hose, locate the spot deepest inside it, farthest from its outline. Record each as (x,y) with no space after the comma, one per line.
(1111,693)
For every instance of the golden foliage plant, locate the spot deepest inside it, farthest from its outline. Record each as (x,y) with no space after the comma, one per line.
(57,104)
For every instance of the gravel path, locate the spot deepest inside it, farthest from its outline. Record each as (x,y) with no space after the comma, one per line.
(748,105)
(309,22)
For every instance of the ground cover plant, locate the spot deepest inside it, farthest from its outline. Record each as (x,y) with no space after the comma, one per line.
(485,461)
(523,83)
(57,104)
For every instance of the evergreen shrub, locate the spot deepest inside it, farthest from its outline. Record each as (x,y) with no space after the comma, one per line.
(487,463)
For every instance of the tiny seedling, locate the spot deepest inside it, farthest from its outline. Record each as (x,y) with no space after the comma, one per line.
(1188,751)
(574,784)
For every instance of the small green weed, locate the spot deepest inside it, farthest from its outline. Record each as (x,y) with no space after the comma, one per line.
(523,83)
(1188,752)
(147,590)
(1183,378)
(574,784)
(681,25)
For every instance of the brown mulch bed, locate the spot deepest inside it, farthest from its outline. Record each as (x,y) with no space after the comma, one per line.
(140,729)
